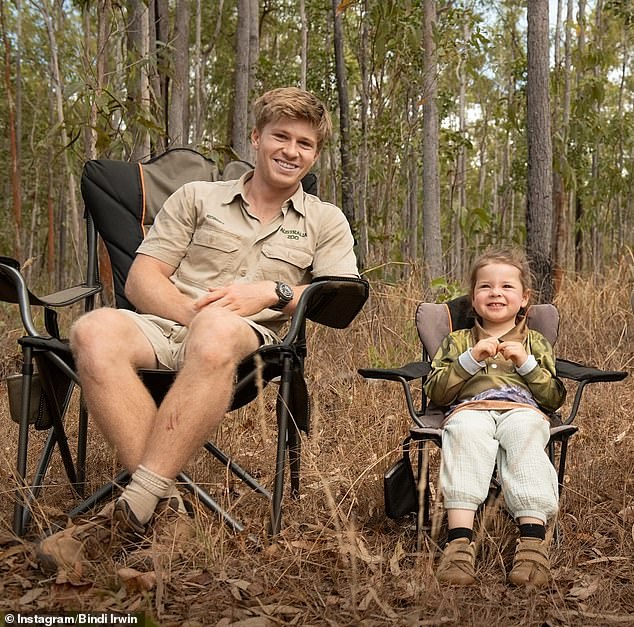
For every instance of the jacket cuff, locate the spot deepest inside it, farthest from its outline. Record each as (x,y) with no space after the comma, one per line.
(528,366)
(468,362)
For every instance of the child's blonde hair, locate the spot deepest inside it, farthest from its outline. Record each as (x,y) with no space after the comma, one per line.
(294,103)
(509,256)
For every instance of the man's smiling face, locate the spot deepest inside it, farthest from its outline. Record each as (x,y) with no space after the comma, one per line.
(286,149)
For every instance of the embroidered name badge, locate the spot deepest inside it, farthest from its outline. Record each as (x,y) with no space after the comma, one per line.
(293,233)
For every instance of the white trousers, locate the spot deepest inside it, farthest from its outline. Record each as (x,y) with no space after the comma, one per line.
(472,442)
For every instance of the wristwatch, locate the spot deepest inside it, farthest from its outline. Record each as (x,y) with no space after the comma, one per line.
(284,294)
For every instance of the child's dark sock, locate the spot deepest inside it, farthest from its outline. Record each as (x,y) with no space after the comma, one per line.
(533,531)
(459,532)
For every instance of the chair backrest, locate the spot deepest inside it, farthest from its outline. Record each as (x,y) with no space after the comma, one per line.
(122,198)
(435,320)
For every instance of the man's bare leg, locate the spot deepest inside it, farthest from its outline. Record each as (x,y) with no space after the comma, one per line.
(109,348)
(218,341)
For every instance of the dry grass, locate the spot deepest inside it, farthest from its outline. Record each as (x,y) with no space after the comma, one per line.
(338,560)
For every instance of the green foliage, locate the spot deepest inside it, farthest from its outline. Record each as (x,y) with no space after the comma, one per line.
(446,290)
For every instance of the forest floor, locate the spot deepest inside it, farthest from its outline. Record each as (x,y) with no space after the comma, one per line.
(338,560)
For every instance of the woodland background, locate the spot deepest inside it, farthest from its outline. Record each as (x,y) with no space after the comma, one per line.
(458,124)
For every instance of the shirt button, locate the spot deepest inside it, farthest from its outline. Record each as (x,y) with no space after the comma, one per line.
(243,272)
(494,365)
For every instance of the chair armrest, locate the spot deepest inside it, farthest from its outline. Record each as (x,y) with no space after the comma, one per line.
(584,375)
(579,372)
(335,301)
(331,301)
(409,372)
(13,289)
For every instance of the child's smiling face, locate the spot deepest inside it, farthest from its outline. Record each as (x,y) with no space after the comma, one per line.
(499,294)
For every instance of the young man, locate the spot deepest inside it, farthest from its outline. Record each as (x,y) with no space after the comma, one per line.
(219,272)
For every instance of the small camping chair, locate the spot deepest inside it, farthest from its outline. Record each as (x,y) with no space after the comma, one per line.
(121,201)
(404,493)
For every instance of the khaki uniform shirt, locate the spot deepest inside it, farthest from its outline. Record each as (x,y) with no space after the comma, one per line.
(206,232)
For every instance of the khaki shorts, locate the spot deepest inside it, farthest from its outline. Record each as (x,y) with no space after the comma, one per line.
(168,337)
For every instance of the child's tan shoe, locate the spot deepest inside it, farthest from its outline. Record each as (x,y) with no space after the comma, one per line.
(457,564)
(531,565)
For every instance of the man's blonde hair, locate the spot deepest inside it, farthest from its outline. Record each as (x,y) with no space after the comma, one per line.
(294,103)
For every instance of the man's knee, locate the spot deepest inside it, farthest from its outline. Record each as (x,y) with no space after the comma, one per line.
(219,337)
(93,327)
(102,337)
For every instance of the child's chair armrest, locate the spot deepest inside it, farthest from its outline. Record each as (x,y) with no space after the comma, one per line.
(588,374)
(409,372)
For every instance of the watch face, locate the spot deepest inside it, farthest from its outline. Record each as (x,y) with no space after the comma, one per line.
(285,291)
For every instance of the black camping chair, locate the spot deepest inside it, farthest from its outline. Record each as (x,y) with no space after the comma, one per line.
(121,201)
(406,493)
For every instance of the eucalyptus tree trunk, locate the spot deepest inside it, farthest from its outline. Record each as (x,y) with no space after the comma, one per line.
(431,186)
(254,53)
(178,111)
(363,250)
(596,237)
(16,185)
(564,220)
(159,71)
(70,190)
(137,31)
(347,197)
(579,208)
(539,185)
(198,124)
(239,131)
(461,170)
(95,55)
(303,52)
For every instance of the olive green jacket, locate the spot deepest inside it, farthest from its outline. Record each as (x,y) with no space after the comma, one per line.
(449,384)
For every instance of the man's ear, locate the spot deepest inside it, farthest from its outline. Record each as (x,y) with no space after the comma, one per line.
(255,138)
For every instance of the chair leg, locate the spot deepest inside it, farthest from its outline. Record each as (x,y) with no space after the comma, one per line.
(282,442)
(208,502)
(237,470)
(294,457)
(103,493)
(22,497)
(82,439)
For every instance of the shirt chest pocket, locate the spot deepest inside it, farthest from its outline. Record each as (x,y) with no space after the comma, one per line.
(211,255)
(284,263)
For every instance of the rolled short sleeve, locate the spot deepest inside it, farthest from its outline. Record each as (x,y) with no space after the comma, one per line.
(171,234)
(334,254)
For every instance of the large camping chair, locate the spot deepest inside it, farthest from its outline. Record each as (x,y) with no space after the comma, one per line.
(121,200)
(407,493)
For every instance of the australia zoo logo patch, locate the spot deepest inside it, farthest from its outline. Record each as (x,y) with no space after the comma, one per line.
(293,233)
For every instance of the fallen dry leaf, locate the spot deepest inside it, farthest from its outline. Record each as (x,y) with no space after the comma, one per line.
(399,554)
(136,580)
(581,593)
(30,596)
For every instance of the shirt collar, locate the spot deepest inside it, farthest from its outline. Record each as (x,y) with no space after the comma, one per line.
(236,188)
(516,334)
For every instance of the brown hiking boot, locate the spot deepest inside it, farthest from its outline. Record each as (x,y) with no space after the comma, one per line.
(173,537)
(531,565)
(457,564)
(74,548)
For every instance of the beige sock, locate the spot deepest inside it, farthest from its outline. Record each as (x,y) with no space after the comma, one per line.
(144,491)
